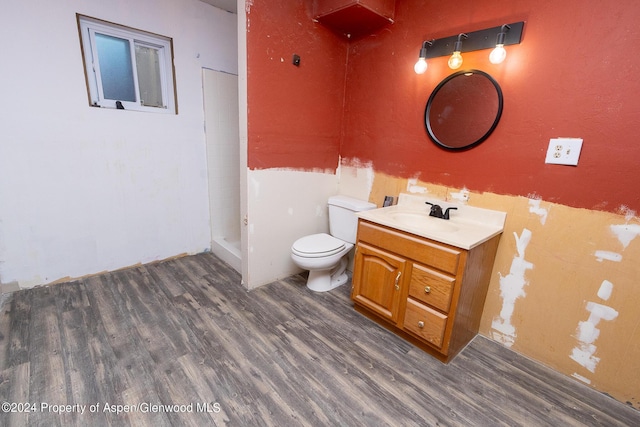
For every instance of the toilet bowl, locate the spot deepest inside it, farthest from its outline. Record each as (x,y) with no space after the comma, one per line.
(324,255)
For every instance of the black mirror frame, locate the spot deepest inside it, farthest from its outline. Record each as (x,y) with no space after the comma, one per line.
(435,92)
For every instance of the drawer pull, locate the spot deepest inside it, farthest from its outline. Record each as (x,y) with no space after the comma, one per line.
(427,289)
(420,324)
(397,286)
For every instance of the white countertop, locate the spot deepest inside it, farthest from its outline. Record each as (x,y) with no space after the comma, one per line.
(467,227)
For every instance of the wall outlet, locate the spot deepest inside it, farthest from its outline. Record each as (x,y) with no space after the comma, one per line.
(564,151)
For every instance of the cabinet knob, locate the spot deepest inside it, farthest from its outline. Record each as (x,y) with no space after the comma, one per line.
(421,324)
(427,289)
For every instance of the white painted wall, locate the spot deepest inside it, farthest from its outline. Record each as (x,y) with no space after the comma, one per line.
(82,189)
(283,206)
(243,137)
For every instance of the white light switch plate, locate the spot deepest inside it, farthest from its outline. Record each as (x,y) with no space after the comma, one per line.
(564,151)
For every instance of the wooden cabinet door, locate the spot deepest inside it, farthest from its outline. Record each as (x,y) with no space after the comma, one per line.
(378,280)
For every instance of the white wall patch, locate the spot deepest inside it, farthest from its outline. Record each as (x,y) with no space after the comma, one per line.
(534,208)
(255,184)
(581,378)
(461,196)
(607,255)
(511,288)
(628,213)
(626,233)
(604,293)
(587,334)
(355,178)
(412,186)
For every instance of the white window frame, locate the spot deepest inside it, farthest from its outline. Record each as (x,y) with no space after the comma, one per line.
(88,27)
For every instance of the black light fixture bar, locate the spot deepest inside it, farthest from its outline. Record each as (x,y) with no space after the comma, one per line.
(476,40)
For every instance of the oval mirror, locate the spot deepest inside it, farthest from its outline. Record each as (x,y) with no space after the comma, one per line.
(463,110)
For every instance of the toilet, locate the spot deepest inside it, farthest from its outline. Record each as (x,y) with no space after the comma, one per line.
(324,255)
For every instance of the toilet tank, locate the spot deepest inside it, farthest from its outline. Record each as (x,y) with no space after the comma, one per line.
(343,223)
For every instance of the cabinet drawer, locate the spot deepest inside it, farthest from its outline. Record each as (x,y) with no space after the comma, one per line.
(431,287)
(444,258)
(425,322)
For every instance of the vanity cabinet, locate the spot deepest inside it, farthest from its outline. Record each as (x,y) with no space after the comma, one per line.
(430,293)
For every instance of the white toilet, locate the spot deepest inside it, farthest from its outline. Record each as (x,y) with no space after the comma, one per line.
(324,255)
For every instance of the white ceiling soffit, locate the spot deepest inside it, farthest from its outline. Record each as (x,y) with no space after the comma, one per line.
(228,5)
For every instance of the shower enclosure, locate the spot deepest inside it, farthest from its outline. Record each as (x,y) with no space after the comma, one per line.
(223,164)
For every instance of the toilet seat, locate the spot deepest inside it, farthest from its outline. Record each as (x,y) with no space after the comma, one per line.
(317,246)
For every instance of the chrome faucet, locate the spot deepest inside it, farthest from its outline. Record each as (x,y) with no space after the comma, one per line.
(436,211)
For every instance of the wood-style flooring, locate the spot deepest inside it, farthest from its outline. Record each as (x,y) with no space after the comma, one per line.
(120,345)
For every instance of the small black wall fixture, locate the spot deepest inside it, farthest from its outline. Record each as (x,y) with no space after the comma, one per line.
(509,34)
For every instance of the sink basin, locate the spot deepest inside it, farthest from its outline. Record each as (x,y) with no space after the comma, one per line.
(468,227)
(423,221)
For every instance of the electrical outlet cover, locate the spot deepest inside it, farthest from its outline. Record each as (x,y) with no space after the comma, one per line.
(564,151)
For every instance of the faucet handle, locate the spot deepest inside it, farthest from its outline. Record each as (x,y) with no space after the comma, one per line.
(446,213)
(436,210)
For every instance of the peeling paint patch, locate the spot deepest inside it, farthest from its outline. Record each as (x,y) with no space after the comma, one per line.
(587,334)
(534,208)
(626,233)
(511,288)
(607,255)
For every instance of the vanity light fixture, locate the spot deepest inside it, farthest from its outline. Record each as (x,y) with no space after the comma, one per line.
(455,61)
(421,66)
(498,54)
(507,34)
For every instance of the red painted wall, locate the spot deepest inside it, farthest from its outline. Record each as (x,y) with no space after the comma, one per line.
(294,113)
(574,75)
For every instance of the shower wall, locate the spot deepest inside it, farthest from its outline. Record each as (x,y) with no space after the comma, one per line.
(223,163)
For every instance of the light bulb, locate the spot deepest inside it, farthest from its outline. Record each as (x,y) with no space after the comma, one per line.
(498,54)
(455,61)
(421,66)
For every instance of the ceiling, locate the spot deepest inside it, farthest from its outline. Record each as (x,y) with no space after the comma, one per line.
(228,5)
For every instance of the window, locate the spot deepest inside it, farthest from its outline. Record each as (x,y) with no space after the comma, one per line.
(126,68)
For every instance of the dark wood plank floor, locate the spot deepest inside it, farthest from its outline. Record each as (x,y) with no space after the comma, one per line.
(185,332)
